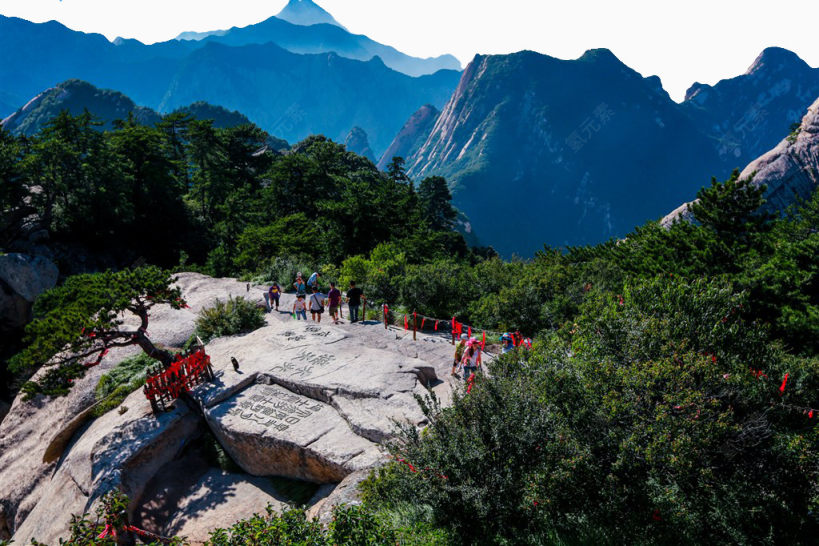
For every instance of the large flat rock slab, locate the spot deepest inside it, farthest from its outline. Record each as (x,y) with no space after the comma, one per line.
(269,430)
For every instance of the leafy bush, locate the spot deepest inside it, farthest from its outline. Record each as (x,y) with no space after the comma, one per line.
(351,525)
(236,316)
(115,386)
(657,418)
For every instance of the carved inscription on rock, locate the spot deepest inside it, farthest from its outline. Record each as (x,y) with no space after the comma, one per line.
(305,363)
(274,408)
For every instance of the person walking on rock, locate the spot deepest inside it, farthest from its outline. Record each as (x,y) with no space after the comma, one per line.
(354,297)
(300,308)
(472,358)
(317,305)
(301,288)
(312,282)
(459,353)
(334,300)
(274,294)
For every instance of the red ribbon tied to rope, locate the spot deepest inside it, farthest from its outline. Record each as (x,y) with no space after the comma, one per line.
(406,323)
(782,386)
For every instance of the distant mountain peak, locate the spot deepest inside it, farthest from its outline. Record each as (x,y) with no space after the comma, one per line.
(775,59)
(306,13)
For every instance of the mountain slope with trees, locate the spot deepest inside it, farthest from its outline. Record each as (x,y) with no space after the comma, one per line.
(598,152)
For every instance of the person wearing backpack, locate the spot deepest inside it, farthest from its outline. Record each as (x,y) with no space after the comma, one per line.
(316,304)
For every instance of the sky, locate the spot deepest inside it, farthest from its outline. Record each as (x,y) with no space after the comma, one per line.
(680,41)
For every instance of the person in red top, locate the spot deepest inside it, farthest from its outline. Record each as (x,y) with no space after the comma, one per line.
(335,301)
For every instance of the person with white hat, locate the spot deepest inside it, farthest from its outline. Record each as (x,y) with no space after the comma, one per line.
(459,353)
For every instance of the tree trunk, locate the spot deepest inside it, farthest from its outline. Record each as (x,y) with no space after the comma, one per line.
(147,346)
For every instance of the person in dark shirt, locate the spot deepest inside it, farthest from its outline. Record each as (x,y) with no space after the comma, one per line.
(354,296)
(334,299)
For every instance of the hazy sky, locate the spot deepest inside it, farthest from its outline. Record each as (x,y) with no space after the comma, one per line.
(681,41)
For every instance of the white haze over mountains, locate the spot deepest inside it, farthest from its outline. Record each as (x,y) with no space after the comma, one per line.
(681,41)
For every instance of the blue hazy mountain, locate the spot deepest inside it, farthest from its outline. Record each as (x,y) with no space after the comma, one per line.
(747,115)
(76,96)
(322,36)
(289,95)
(306,13)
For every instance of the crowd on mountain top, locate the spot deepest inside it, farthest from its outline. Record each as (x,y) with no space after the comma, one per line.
(309,297)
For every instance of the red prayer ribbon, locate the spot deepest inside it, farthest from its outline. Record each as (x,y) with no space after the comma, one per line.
(406,323)
(782,386)
(436,325)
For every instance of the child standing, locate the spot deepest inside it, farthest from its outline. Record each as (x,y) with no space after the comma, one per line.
(300,308)
(274,293)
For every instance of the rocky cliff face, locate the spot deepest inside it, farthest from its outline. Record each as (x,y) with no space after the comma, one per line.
(309,401)
(412,135)
(22,279)
(539,149)
(790,170)
(747,115)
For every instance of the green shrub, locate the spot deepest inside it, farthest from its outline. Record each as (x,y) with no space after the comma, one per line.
(56,381)
(115,386)
(657,419)
(353,525)
(283,270)
(236,316)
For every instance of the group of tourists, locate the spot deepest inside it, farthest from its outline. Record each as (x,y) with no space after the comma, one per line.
(310,297)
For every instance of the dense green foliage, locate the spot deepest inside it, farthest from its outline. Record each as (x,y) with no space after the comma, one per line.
(648,423)
(115,385)
(235,316)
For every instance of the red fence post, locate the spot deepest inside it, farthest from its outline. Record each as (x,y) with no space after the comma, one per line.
(414,324)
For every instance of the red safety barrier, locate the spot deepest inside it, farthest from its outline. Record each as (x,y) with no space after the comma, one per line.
(163,386)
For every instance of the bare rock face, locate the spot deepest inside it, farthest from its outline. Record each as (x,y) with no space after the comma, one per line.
(309,401)
(22,279)
(790,171)
(270,430)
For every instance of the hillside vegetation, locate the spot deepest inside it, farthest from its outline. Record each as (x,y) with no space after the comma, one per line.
(672,394)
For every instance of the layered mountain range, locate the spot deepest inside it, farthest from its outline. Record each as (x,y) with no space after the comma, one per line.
(107,106)
(572,152)
(293,80)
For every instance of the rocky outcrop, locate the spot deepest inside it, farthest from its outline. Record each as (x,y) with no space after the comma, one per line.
(358,143)
(22,279)
(790,171)
(309,401)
